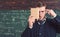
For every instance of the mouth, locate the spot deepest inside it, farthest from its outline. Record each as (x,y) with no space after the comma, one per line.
(39,15)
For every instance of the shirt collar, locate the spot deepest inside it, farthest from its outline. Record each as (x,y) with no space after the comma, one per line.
(43,21)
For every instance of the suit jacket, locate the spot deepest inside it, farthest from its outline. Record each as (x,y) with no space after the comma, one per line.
(51,27)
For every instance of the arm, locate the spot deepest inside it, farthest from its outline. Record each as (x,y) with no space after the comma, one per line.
(28,32)
(55,20)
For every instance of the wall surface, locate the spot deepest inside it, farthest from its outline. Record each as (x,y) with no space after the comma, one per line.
(27,4)
(14,22)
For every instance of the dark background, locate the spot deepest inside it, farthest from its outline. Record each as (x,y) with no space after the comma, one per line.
(27,4)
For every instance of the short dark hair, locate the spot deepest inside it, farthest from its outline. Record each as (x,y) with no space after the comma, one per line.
(40,4)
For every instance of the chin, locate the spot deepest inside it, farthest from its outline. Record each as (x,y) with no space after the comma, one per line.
(41,17)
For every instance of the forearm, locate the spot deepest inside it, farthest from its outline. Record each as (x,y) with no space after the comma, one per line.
(56,20)
(27,32)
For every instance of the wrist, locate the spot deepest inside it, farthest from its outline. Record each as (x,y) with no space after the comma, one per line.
(30,25)
(54,15)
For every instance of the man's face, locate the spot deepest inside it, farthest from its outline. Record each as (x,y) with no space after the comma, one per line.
(42,12)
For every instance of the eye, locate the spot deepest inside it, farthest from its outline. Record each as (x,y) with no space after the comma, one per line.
(42,11)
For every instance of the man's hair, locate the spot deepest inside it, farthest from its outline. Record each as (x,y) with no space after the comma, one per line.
(40,4)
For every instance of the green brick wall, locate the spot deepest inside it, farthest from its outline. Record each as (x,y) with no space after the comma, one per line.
(14,22)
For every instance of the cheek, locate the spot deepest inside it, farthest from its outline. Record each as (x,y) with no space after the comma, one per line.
(42,13)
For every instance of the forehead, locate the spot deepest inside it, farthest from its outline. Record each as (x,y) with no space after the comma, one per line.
(42,8)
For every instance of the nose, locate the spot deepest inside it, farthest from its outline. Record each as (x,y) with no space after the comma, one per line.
(40,12)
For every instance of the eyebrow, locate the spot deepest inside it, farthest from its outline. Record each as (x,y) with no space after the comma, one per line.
(41,11)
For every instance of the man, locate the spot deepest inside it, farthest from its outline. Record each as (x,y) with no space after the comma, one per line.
(43,27)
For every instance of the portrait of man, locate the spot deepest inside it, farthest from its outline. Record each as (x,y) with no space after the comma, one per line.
(43,26)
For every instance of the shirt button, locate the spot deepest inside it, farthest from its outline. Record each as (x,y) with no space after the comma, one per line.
(40,33)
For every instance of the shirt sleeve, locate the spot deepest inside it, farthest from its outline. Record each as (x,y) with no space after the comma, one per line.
(27,32)
(56,22)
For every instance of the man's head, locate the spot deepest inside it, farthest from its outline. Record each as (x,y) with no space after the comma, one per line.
(42,9)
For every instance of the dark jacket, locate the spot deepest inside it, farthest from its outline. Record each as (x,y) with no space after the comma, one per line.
(52,26)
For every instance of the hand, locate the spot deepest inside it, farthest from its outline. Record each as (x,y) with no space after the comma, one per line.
(31,20)
(51,12)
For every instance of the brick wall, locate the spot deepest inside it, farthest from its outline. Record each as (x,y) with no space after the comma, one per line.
(26,4)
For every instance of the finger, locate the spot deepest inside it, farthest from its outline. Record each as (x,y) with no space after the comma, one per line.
(48,11)
(30,16)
